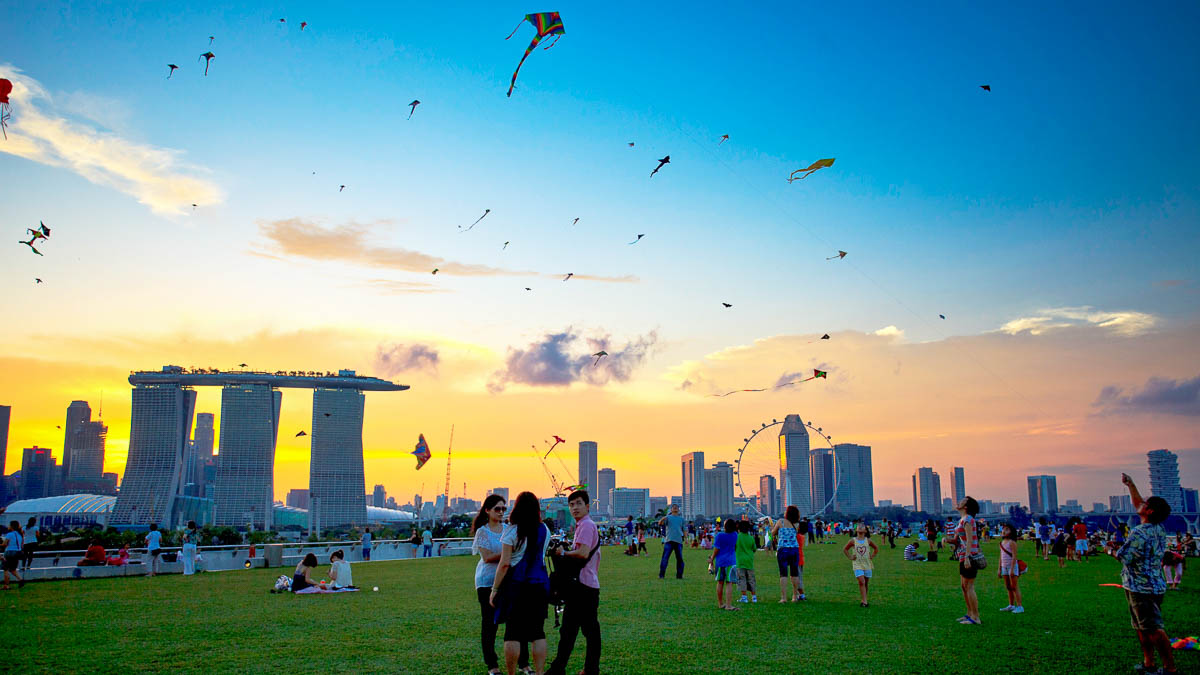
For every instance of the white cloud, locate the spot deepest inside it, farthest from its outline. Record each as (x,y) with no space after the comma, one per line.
(890,332)
(41,130)
(1127,323)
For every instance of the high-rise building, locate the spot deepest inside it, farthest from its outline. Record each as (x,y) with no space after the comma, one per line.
(297,498)
(947,505)
(5,416)
(630,502)
(958,486)
(821,478)
(336,475)
(1164,476)
(606,480)
(587,465)
(1043,494)
(657,504)
(856,487)
(1120,504)
(768,496)
(718,489)
(927,491)
(245,489)
(503,492)
(77,413)
(693,484)
(159,428)
(37,468)
(795,482)
(87,452)
(200,457)
(379,497)
(1189,500)
(676,501)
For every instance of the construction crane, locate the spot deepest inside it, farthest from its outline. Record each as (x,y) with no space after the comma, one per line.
(560,488)
(449,448)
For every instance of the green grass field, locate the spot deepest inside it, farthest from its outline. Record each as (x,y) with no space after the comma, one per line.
(424,619)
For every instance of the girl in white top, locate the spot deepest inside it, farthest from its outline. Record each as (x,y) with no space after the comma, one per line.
(339,570)
(488,526)
(1010,569)
(862,551)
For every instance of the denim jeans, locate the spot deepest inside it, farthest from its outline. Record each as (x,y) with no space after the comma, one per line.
(669,546)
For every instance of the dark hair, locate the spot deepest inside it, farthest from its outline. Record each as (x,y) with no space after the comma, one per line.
(792,514)
(1012,531)
(191,524)
(32,521)
(153,526)
(730,526)
(526,516)
(579,494)
(1159,510)
(310,560)
(1042,520)
(970,506)
(339,554)
(744,527)
(481,518)
(15,527)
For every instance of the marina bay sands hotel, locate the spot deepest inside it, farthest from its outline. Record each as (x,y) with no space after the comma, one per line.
(164,405)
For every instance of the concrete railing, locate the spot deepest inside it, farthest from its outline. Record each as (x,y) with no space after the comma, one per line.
(284,556)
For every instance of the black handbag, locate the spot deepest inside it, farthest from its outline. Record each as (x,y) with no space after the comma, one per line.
(564,577)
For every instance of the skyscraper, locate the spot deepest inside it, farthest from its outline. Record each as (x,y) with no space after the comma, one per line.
(5,416)
(795,481)
(200,455)
(768,496)
(77,413)
(159,428)
(379,496)
(37,467)
(718,489)
(587,464)
(693,484)
(958,486)
(1043,494)
(1164,477)
(630,502)
(503,492)
(336,476)
(1189,501)
(87,451)
(927,491)
(856,486)
(606,480)
(245,489)
(298,498)
(821,478)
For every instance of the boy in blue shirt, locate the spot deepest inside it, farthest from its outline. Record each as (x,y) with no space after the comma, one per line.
(724,560)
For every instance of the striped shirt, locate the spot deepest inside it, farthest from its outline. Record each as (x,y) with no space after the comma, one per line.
(960,532)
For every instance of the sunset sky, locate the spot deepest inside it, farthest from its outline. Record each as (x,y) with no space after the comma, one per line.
(1054,222)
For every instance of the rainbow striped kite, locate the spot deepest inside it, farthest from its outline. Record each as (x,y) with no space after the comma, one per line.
(546,23)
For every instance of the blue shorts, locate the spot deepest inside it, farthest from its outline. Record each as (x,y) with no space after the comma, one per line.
(366,554)
(862,573)
(789,562)
(728,574)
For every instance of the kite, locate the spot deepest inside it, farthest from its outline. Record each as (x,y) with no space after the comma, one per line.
(528,288)
(664,160)
(303,24)
(631,144)
(819,164)
(422,452)
(569,275)
(816,373)
(575,221)
(485,212)
(435,270)
(839,256)
(505,246)
(283,21)
(727,305)
(210,39)
(37,280)
(985,87)
(557,440)
(942,317)
(6,87)
(823,337)
(599,355)
(341,187)
(639,238)
(546,23)
(413,105)
(241,365)
(302,433)
(194,206)
(207,56)
(724,137)
(30,245)
(172,70)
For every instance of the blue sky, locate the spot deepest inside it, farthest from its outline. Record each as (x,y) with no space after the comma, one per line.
(1074,182)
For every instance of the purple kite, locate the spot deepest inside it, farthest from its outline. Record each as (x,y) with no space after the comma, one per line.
(546,23)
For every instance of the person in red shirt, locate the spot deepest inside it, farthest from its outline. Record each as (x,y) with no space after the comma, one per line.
(94,557)
(1081,541)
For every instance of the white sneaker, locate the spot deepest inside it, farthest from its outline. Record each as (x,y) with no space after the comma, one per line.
(743,599)
(754,599)
(1018,610)
(1008,609)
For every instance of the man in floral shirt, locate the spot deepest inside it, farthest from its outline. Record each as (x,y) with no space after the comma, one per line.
(1141,576)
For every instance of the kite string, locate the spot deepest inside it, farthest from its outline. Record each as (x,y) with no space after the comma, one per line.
(516,29)
(770,198)
(553,42)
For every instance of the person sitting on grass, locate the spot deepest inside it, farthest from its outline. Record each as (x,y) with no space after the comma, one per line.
(301,581)
(724,558)
(911,554)
(339,570)
(1141,577)
(94,556)
(861,551)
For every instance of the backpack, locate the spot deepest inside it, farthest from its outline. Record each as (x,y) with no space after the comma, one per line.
(564,576)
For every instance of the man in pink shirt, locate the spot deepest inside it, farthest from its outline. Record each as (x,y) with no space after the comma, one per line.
(583,603)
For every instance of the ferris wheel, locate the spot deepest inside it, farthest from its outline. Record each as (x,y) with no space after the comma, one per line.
(761,458)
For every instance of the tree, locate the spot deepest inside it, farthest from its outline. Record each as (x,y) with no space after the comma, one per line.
(1019,517)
